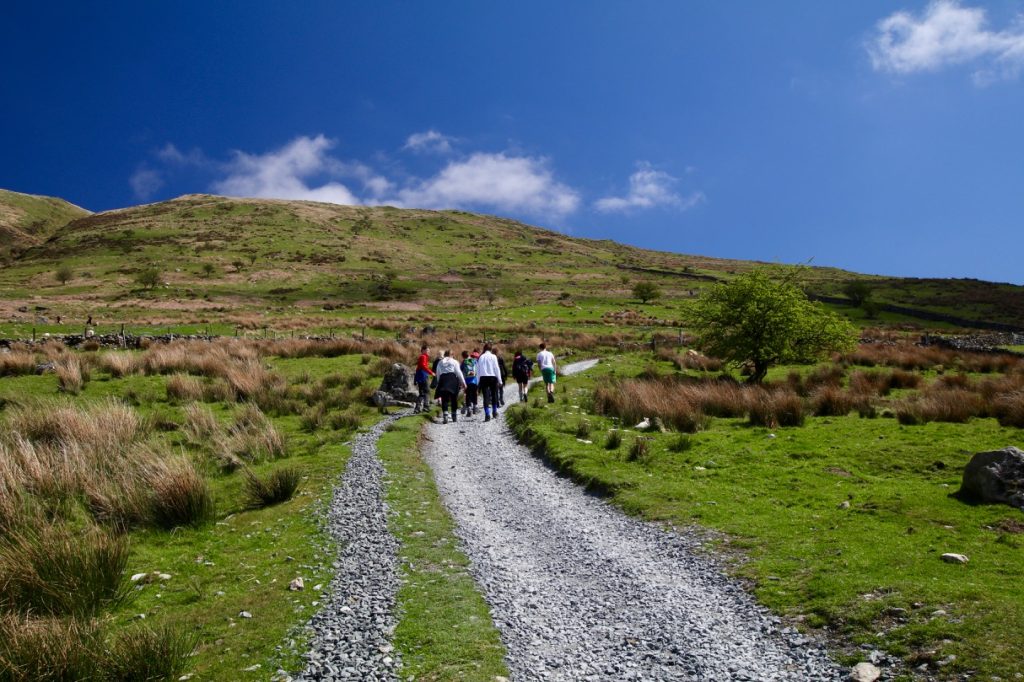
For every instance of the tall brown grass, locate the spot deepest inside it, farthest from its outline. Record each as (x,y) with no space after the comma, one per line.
(184,387)
(118,363)
(16,363)
(69,374)
(57,453)
(945,405)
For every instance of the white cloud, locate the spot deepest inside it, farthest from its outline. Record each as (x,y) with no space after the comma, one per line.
(145,182)
(649,188)
(507,183)
(947,34)
(288,173)
(431,142)
(306,169)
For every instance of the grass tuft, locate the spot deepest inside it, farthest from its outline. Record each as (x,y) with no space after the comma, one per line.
(278,487)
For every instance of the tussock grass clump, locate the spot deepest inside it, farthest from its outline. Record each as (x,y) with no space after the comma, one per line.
(200,423)
(17,363)
(278,487)
(950,405)
(681,443)
(517,416)
(1008,408)
(314,418)
(108,425)
(639,450)
(118,363)
(252,437)
(70,378)
(349,420)
(633,400)
(831,401)
(184,387)
(773,409)
(583,429)
(614,440)
(34,649)
(54,570)
(179,495)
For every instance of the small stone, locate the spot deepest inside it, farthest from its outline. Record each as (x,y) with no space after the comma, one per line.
(244,614)
(865,672)
(953,558)
(296,585)
(252,668)
(164,576)
(138,576)
(845,504)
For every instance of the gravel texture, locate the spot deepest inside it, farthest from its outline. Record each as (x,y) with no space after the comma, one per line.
(580,591)
(351,635)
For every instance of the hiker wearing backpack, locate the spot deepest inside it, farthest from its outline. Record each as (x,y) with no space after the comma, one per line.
(468,368)
(548,370)
(489,374)
(522,369)
(449,381)
(422,379)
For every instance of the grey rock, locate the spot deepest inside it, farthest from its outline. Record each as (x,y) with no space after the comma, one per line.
(865,672)
(996,476)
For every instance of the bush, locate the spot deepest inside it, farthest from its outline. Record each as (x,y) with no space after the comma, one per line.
(830,401)
(279,487)
(16,363)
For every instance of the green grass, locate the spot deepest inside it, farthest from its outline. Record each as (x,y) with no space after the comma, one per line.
(444,630)
(246,559)
(779,498)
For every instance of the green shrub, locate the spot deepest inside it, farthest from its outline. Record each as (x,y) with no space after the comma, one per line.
(640,449)
(681,443)
(614,440)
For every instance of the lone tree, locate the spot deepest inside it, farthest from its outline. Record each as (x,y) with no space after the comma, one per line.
(764,320)
(149,277)
(646,291)
(858,291)
(208,269)
(64,273)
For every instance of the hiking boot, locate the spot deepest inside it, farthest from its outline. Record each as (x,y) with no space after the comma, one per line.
(445,417)
(475,410)
(551,397)
(454,418)
(487,417)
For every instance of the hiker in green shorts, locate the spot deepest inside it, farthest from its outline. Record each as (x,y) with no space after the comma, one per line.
(548,370)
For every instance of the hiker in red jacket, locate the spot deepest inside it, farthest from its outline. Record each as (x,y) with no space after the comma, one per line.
(422,379)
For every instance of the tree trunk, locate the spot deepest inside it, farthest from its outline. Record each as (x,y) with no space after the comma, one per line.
(760,370)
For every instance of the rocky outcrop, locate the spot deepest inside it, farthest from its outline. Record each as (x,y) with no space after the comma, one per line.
(995,477)
(396,388)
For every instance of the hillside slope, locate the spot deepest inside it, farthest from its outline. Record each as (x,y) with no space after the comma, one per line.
(273,257)
(27,219)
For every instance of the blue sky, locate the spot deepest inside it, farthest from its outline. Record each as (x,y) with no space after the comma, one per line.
(881,137)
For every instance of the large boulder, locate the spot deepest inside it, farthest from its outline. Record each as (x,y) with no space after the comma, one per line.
(995,477)
(397,384)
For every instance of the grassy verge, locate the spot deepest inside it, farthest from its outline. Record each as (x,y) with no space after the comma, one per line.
(445,630)
(224,583)
(839,523)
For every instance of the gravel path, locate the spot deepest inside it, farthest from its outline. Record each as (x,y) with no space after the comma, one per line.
(352,633)
(580,591)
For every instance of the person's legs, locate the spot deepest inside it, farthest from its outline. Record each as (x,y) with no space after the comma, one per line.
(423,399)
(489,386)
(445,399)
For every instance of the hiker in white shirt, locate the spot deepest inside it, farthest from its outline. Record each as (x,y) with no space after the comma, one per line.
(548,370)
(449,381)
(489,372)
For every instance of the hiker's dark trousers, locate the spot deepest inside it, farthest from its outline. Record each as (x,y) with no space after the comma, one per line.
(450,402)
(423,400)
(489,387)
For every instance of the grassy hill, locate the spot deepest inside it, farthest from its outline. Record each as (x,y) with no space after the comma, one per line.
(307,265)
(27,219)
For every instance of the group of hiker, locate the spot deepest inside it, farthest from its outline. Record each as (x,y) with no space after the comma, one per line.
(478,374)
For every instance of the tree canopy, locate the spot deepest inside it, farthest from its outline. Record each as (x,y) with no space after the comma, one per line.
(763,318)
(646,291)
